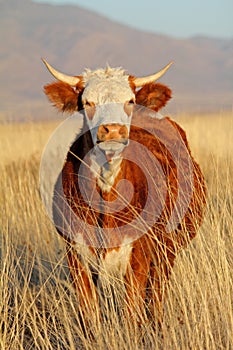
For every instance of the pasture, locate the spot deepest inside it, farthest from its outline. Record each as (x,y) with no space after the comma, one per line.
(38,306)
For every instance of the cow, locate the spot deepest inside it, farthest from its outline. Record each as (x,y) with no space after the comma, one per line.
(132,234)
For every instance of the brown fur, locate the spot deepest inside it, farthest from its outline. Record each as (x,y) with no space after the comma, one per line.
(63,96)
(153,96)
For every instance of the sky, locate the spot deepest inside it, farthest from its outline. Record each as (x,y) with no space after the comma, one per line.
(177,18)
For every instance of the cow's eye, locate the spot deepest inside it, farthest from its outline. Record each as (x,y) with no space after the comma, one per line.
(132,101)
(129,106)
(88,104)
(89,109)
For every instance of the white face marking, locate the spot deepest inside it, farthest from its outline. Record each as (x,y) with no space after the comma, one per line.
(108,90)
(110,85)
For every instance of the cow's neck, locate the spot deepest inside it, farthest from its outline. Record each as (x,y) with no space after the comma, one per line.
(105,174)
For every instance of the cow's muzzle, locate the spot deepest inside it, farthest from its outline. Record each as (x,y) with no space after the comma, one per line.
(109,132)
(112,137)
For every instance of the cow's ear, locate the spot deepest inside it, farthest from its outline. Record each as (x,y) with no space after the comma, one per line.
(63,96)
(153,95)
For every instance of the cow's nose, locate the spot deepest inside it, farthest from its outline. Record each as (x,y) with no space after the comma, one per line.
(107,132)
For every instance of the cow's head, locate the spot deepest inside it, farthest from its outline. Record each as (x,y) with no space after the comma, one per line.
(108,97)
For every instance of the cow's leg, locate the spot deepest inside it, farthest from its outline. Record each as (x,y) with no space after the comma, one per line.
(136,280)
(160,270)
(83,284)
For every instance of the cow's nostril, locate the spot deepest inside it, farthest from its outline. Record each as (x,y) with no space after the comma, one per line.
(105,129)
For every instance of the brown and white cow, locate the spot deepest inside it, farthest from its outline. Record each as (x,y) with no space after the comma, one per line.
(122,132)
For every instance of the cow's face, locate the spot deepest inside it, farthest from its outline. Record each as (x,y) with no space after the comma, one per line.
(108,97)
(108,100)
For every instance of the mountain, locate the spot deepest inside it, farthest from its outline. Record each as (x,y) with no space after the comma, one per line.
(72,38)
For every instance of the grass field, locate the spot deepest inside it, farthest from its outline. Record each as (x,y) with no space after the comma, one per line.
(38,307)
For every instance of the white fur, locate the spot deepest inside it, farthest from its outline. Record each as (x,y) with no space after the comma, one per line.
(105,173)
(110,85)
(113,263)
(116,261)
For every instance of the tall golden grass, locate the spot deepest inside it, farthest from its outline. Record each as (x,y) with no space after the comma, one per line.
(38,306)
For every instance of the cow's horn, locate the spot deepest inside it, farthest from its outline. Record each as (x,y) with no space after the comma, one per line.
(151,78)
(72,81)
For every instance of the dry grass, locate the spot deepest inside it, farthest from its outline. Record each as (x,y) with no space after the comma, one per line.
(38,308)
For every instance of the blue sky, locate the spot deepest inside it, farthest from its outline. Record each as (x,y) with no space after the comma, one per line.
(179,18)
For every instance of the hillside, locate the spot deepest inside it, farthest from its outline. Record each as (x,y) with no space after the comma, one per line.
(72,39)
